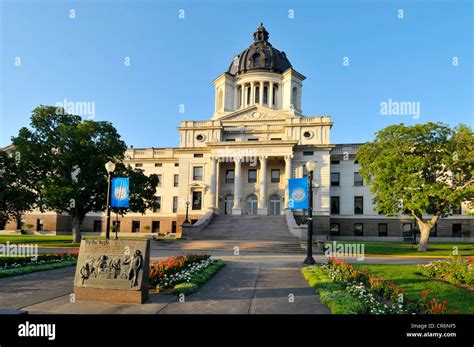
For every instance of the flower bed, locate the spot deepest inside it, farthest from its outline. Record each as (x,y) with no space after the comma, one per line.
(177,270)
(454,270)
(377,295)
(7,263)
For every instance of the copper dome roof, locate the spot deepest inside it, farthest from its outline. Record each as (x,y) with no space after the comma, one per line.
(260,56)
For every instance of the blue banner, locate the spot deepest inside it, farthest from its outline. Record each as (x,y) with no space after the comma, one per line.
(298,193)
(120,192)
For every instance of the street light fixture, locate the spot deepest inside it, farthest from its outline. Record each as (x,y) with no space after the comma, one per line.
(310,166)
(110,167)
(186,221)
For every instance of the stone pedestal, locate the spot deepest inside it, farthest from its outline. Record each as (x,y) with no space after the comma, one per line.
(113,271)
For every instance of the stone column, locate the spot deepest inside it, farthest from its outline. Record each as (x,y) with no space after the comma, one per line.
(213,173)
(287,177)
(260,98)
(270,95)
(262,201)
(252,93)
(242,95)
(238,186)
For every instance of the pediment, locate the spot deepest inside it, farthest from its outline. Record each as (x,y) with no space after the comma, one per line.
(256,114)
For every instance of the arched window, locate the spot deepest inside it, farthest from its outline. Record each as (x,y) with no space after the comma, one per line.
(257,94)
(256,60)
(248,95)
(275,89)
(265,95)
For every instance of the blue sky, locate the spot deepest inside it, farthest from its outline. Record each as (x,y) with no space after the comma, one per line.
(173,61)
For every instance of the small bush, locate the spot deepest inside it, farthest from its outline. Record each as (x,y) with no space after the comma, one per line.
(185,288)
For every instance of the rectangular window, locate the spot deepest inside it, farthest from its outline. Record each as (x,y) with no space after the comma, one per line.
(406,230)
(197,200)
(176,164)
(358,229)
(175,204)
(158,164)
(252,176)
(138,165)
(160,179)
(197,173)
(358,205)
(155,226)
(335,229)
(135,226)
(175,180)
(334,205)
(229,176)
(275,175)
(383,229)
(335,176)
(457,209)
(116,226)
(457,230)
(335,162)
(157,206)
(275,139)
(230,140)
(97,226)
(173,227)
(434,231)
(198,155)
(252,139)
(308,153)
(358,181)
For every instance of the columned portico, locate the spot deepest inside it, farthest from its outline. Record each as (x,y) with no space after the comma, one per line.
(287,177)
(213,184)
(262,201)
(238,186)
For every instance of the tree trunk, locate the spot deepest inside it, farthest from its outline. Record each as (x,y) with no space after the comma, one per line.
(76,229)
(425,228)
(19,226)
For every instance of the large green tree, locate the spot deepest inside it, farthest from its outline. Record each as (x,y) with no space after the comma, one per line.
(420,170)
(66,157)
(16,198)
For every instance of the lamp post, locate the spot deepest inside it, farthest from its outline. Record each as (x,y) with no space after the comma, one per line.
(310,166)
(110,167)
(186,221)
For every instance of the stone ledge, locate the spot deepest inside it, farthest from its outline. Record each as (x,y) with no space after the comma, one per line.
(111,295)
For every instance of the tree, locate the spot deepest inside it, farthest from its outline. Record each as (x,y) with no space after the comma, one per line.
(425,169)
(15,196)
(66,156)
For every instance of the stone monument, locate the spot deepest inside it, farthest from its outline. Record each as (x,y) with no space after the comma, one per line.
(113,271)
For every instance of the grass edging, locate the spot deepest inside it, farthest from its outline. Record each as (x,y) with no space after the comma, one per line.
(331,294)
(34,268)
(199,279)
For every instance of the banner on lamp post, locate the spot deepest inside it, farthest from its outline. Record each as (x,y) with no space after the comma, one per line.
(120,192)
(298,193)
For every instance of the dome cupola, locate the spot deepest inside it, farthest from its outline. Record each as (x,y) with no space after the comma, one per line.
(260,56)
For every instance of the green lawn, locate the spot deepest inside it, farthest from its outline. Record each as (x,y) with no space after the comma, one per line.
(34,268)
(59,241)
(407,249)
(405,276)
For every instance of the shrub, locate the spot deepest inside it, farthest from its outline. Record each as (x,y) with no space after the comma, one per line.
(18,261)
(185,288)
(455,270)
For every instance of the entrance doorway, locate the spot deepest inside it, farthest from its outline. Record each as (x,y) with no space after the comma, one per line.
(275,205)
(252,204)
(228,204)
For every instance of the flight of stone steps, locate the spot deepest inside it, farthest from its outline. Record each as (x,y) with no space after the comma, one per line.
(248,233)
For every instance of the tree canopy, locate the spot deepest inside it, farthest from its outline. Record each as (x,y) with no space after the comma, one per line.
(420,170)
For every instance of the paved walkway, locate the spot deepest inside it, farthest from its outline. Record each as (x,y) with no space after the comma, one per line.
(246,285)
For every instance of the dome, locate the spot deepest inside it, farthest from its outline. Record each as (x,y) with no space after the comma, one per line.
(260,56)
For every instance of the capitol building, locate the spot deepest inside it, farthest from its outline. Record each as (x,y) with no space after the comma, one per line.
(238,162)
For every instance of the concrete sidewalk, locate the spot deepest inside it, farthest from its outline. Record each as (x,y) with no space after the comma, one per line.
(246,285)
